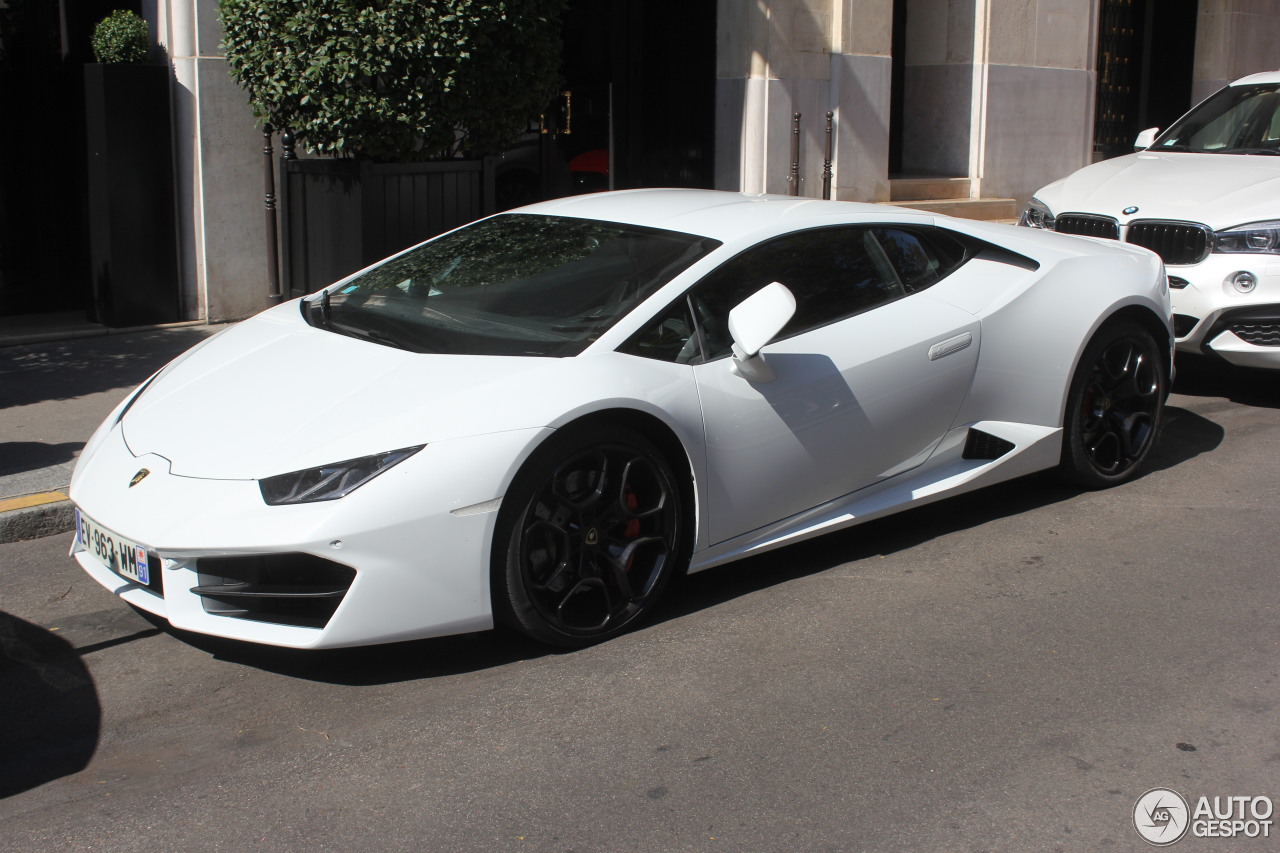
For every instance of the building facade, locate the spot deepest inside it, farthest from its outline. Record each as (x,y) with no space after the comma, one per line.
(1004,95)
(974,99)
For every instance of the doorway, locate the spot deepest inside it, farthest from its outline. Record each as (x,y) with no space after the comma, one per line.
(44,243)
(637,106)
(1145,65)
(931,88)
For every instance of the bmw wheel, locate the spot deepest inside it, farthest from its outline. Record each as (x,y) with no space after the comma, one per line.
(589,534)
(1114,406)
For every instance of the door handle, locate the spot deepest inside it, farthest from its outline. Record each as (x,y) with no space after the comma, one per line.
(950,346)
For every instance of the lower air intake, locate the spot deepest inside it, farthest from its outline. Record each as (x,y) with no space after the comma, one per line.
(287,589)
(1183,324)
(1259,332)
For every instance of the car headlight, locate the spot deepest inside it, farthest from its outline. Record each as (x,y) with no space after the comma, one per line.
(1261,238)
(1037,215)
(330,482)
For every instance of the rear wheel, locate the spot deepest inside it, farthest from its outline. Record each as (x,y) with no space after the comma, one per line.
(1114,406)
(589,535)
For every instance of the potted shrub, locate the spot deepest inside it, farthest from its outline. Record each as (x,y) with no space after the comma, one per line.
(401,100)
(132,230)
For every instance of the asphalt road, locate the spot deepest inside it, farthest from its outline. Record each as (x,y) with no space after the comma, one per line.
(1005,671)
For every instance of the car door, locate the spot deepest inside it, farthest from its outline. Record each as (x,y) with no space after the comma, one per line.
(868,375)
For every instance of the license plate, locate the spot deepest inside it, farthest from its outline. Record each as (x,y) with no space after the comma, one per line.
(125,558)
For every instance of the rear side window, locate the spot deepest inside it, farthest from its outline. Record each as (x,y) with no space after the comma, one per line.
(921,259)
(834,273)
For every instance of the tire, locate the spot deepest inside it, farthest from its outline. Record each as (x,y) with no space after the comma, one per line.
(589,534)
(1114,407)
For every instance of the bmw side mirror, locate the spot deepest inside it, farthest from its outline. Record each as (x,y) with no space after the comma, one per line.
(1145,139)
(754,322)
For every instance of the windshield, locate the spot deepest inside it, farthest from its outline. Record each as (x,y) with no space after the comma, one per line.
(1235,120)
(516,284)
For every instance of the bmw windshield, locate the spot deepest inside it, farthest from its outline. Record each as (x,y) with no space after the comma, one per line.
(1235,120)
(516,284)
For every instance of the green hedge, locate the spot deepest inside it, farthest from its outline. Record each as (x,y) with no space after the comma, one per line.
(121,37)
(396,79)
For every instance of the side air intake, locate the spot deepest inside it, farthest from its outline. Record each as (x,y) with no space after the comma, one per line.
(984,445)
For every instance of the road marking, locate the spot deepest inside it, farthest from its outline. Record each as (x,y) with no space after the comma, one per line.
(31,500)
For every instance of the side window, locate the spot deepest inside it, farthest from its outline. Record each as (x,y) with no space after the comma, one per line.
(671,337)
(833,272)
(921,258)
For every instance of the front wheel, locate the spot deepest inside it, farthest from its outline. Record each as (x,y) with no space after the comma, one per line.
(590,532)
(1114,406)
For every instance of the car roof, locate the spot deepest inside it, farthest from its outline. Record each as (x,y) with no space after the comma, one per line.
(1262,77)
(712,213)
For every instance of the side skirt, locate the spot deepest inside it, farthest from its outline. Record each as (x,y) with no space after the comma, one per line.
(947,473)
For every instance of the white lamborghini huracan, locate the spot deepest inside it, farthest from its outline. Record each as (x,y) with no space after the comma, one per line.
(539,418)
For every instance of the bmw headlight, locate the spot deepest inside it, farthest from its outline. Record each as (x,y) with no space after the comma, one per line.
(1037,215)
(1256,238)
(330,482)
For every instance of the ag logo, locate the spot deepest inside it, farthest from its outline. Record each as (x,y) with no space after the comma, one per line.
(139,477)
(1128,211)
(1161,816)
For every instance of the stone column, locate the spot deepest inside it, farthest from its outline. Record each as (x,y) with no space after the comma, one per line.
(218,152)
(1040,93)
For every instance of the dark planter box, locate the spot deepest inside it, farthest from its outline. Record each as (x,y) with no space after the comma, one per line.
(338,216)
(132,231)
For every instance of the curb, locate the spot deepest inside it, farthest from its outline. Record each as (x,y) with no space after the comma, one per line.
(36,516)
(9,339)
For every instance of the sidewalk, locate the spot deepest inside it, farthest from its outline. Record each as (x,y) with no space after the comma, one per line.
(59,377)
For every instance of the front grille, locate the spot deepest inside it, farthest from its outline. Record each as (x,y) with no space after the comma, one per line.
(1174,242)
(1183,324)
(1087,225)
(1260,333)
(288,589)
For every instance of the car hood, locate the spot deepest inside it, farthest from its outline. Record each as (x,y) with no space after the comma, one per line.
(1220,190)
(274,395)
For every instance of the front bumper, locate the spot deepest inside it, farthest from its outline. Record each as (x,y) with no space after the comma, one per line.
(403,557)
(1211,317)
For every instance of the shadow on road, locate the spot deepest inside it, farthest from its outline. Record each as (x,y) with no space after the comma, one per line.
(370,665)
(17,457)
(48,705)
(1199,376)
(64,370)
(1186,435)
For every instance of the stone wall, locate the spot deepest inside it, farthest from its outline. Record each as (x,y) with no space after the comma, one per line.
(1234,38)
(1000,91)
(1040,92)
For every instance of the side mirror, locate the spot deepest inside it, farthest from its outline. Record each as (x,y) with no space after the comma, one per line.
(754,322)
(1145,139)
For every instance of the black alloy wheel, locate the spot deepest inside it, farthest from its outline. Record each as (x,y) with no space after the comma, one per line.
(590,533)
(1115,405)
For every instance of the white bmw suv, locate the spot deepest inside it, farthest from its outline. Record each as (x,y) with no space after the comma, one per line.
(1205,196)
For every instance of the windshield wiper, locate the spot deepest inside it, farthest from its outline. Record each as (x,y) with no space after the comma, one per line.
(1271,151)
(379,336)
(318,312)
